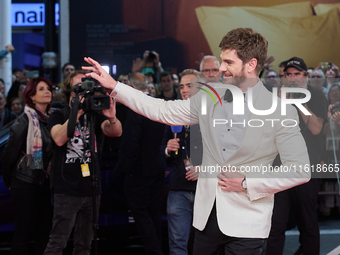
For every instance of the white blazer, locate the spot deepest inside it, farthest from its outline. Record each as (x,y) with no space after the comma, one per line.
(239,214)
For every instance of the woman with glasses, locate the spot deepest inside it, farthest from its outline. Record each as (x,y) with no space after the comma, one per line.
(317,80)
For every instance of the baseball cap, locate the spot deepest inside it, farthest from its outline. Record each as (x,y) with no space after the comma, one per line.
(297,63)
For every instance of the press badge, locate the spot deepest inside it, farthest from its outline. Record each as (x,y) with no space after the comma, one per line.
(85,170)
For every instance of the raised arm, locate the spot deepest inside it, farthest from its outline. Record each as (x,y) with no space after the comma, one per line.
(178,112)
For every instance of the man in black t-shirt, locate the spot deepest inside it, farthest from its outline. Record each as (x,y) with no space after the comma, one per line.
(303,198)
(71,175)
(167,86)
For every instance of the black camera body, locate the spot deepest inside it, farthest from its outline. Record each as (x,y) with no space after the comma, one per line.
(95,98)
(151,57)
(335,108)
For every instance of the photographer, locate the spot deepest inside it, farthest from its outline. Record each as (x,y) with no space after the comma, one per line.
(71,175)
(301,199)
(149,62)
(334,112)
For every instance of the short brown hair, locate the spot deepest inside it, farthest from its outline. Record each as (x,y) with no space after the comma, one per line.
(248,44)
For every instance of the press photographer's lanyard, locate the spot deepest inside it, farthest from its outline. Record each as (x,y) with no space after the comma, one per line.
(334,151)
(186,134)
(85,170)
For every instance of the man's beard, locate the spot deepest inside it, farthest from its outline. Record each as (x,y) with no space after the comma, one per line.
(236,79)
(298,83)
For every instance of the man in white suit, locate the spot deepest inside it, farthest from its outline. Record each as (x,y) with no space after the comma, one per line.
(232,211)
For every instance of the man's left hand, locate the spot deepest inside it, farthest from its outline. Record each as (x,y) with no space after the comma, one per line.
(231,181)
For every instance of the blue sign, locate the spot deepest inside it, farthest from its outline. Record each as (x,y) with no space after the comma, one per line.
(30,15)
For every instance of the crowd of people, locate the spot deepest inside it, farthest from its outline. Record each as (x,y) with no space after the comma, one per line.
(43,161)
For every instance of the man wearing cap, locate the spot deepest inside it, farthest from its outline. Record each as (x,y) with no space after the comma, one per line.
(302,199)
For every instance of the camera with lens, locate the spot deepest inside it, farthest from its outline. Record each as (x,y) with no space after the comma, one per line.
(335,108)
(95,98)
(151,57)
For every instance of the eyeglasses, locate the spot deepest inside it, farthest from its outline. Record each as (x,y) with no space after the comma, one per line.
(213,71)
(271,76)
(335,92)
(316,76)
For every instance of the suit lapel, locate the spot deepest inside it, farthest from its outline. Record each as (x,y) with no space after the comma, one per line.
(212,133)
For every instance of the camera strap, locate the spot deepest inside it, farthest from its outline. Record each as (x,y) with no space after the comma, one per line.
(334,150)
(85,170)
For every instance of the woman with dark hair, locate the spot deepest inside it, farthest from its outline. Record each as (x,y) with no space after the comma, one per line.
(16,106)
(334,94)
(26,162)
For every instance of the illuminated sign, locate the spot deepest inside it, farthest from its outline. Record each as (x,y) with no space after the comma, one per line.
(30,15)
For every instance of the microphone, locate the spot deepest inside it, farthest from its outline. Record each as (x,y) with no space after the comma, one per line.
(175,130)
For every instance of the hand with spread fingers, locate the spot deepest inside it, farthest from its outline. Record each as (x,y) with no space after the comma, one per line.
(99,74)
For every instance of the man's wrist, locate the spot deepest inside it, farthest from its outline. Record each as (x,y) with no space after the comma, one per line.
(113,86)
(113,120)
(115,91)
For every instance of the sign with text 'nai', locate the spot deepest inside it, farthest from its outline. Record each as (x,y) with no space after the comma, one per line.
(30,15)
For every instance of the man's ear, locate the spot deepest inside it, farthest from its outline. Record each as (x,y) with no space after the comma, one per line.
(251,65)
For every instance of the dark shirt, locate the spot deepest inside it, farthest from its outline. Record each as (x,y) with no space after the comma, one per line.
(174,97)
(139,151)
(318,105)
(189,147)
(8,117)
(66,172)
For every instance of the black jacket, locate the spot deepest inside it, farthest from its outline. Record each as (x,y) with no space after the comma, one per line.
(178,181)
(14,157)
(139,151)
(9,116)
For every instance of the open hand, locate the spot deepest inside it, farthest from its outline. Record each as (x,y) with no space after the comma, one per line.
(99,74)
